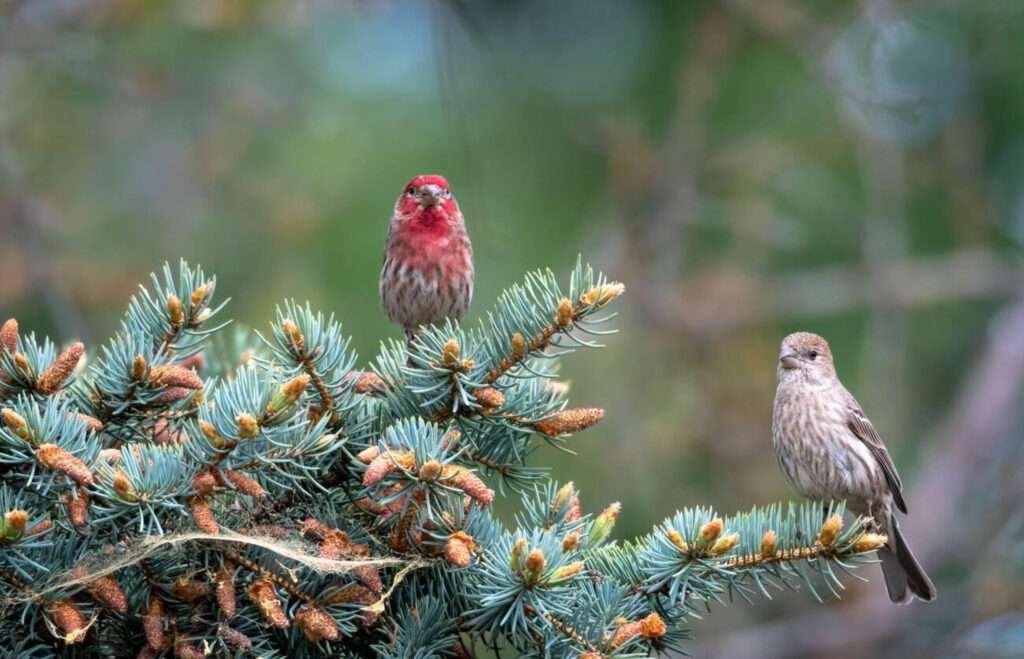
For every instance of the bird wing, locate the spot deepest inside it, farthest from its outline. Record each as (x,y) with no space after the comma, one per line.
(861,426)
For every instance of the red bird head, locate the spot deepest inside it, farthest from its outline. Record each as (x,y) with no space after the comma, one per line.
(426,202)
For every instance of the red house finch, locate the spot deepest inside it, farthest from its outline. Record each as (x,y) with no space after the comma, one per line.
(829,450)
(428,261)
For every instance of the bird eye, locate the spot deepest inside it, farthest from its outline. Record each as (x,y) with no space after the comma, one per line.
(410,190)
(447,193)
(813,354)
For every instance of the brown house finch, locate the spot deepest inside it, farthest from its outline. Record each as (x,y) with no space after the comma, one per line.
(829,450)
(428,261)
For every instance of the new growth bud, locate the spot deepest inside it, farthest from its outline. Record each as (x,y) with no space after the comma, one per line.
(175,312)
(16,424)
(248,426)
(603,525)
(768,544)
(518,555)
(724,544)
(450,354)
(564,313)
(830,530)
(869,542)
(710,531)
(13,524)
(287,394)
(676,538)
(518,346)
(603,294)
(294,334)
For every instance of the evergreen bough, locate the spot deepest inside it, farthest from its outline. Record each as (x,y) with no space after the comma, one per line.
(198,490)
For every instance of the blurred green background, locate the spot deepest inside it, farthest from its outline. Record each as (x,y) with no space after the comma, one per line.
(746,167)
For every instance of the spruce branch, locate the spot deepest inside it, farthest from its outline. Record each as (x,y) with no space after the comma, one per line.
(311,482)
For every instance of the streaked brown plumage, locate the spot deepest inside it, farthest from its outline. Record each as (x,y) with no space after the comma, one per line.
(829,450)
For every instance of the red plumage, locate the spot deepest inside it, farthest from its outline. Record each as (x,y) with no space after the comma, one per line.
(428,260)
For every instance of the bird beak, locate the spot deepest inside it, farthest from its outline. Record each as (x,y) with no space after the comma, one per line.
(789,360)
(430,195)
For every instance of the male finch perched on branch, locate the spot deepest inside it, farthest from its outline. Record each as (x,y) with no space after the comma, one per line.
(829,450)
(428,261)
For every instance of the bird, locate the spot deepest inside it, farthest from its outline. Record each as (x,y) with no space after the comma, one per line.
(829,450)
(427,276)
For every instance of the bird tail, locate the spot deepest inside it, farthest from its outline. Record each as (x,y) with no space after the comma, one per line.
(904,576)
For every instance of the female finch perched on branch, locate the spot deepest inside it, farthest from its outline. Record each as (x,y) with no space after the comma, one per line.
(829,450)
(428,260)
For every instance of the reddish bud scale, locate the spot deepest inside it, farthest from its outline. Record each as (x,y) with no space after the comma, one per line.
(55,458)
(650,628)
(489,398)
(57,373)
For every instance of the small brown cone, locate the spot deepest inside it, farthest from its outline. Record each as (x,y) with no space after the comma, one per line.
(262,594)
(570,421)
(69,620)
(77,507)
(248,426)
(54,457)
(470,483)
(174,375)
(489,398)
(153,623)
(235,638)
(57,373)
(244,483)
(316,624)
(9,336)
(190,590)
(203,515)
(225,590)
(564,313)
(107,591)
